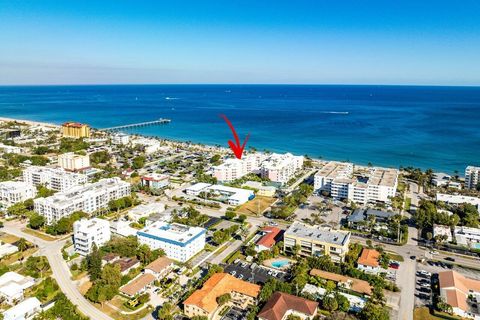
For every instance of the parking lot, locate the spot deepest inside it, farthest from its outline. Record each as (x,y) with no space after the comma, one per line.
(235,314)
(254,273)
(423,287)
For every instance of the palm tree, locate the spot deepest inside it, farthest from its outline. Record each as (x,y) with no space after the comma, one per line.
(22,244)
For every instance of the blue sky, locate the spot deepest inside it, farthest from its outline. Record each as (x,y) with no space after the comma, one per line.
(331,42)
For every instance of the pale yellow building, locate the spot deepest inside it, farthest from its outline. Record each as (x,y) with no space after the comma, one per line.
(203,302)
(75,130)
(73,162)
(309,240)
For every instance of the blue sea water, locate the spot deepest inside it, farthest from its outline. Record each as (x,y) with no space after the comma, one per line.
(427,127)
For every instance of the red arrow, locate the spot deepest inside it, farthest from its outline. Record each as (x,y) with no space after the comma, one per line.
(236,148)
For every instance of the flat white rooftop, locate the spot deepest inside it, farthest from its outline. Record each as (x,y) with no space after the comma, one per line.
(174,233)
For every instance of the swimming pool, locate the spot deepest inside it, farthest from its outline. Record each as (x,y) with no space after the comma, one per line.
(280,263)
(476,245)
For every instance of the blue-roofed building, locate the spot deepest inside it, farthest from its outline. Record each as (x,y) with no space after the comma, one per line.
(180,242)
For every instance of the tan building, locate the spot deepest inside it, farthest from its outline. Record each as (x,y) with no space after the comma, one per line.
(353,284)
(316,241)
(160,267)
(75,130)
(138,285)
(203,302)
(73,162)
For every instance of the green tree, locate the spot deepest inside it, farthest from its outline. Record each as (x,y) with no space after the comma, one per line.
(36,221)
(22,244)
(373,311)
(329,303)
(343,303)
(94,263)
(230,215)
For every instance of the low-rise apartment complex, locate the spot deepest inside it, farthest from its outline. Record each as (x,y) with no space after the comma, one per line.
(86,232)
(458,199)
(316,241)
(53,178)
(461,293)
(472,177)
(362,185)
(73,162)
(233,196)
(180,242)
(203,302)
(232,169)
(87,198)
(12,192)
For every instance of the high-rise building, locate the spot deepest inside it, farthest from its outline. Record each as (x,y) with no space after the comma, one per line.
(86,232)
(75,130)
(87,198)
(472,177)
(53,178)
(73,162)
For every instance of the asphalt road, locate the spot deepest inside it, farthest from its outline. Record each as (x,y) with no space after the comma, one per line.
(60,270)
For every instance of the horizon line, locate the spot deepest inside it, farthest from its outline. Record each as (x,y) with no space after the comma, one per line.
(241,84)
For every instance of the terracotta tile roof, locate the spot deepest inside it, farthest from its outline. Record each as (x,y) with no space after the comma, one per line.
(268,240)
(219,284)
(455,288)
(159,265)
(353,284)
(73,124)
(279,303)
(137,284)
(369,257)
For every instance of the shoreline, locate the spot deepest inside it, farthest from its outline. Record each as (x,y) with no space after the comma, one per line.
(213,146)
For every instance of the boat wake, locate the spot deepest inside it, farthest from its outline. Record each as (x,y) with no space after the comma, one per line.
(170,98)
(335,112)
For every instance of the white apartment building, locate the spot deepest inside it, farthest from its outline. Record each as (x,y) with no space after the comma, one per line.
(88,198)
(232,169)
(120,138)
(180,242)
(234,196)
(73,162)
(26,309)
(13,286)
(86,232)
(472,177)
(11,149)
(12,192)
(281,167)
(368,185)
(458,199)
(155,181)
(53,178)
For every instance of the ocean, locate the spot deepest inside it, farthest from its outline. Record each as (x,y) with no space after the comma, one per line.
(426,127)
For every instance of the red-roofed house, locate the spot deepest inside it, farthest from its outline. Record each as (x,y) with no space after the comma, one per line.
(456,290)
(281,305)
(368,261)
(270,236)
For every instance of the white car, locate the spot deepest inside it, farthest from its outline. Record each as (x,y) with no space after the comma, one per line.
(233,273)
(425,273)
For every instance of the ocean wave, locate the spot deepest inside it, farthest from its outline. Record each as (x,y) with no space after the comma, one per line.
(170,98)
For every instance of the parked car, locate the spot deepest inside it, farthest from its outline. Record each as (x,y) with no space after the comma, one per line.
(450,259)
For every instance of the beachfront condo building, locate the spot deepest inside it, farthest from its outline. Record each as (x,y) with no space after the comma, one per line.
(280,168)
(88,198)
(71,161)
(205,301)
(309,240)
(53,178)
(472,177)
(180,242)
(232,169)
(86,232)
(361,185)
(75,130)
(457,199)
(12,192)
